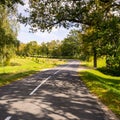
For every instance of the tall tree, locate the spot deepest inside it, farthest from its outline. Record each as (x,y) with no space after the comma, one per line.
(46,14)
(110,31)
(7,36)
(104,40)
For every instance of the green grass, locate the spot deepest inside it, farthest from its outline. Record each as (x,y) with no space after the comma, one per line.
(100,62)
(106,87)
(101,66)
(21,67)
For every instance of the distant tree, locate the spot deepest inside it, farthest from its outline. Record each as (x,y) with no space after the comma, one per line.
(21,49)
(44,49)
(71,45)
(54,48)
(31,48)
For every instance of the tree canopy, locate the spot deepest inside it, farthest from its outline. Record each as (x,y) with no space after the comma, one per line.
(46,14)
(11,3)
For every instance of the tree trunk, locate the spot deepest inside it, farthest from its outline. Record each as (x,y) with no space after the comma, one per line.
(95,57)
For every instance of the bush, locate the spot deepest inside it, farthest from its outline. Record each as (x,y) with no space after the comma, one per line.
(110,71)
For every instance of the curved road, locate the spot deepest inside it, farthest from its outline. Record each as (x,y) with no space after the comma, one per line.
(54,94)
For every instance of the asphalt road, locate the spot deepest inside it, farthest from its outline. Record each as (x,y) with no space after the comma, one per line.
(55,94)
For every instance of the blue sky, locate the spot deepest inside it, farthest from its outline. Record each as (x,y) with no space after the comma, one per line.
(56,34)
(25,36)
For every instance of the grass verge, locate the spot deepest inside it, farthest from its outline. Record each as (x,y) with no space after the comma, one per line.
(101,62)
(22,67)
(106,87)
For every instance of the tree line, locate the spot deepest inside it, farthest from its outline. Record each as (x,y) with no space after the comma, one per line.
(67,48)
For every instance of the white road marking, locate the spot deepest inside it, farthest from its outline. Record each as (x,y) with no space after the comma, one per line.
(39,85)
(8,118)
(57,72)
(46,80)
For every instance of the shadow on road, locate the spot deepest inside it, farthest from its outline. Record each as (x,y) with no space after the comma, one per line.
(62,97)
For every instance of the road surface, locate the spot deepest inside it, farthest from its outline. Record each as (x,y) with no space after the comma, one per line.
(54,94)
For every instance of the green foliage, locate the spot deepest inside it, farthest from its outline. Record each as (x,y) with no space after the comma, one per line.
(110,71)
(31,48)
(71,45)
(44,49)
(11,3)
(7,37)
(101,62)
(104,87)
(103,39)
(54,48)
(112,47)
(45,15)
(102,66)
(51,13)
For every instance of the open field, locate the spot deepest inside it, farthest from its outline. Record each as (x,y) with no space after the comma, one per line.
(21,67)
(105,87)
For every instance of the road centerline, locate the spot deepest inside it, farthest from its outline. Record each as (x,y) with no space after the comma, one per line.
(45,81)
(40,85)
(8,118)
(56,72)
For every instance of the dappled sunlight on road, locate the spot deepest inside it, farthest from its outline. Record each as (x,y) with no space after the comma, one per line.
(62,97)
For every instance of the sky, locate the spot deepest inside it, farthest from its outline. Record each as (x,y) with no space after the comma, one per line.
(56,34)
(25,36)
